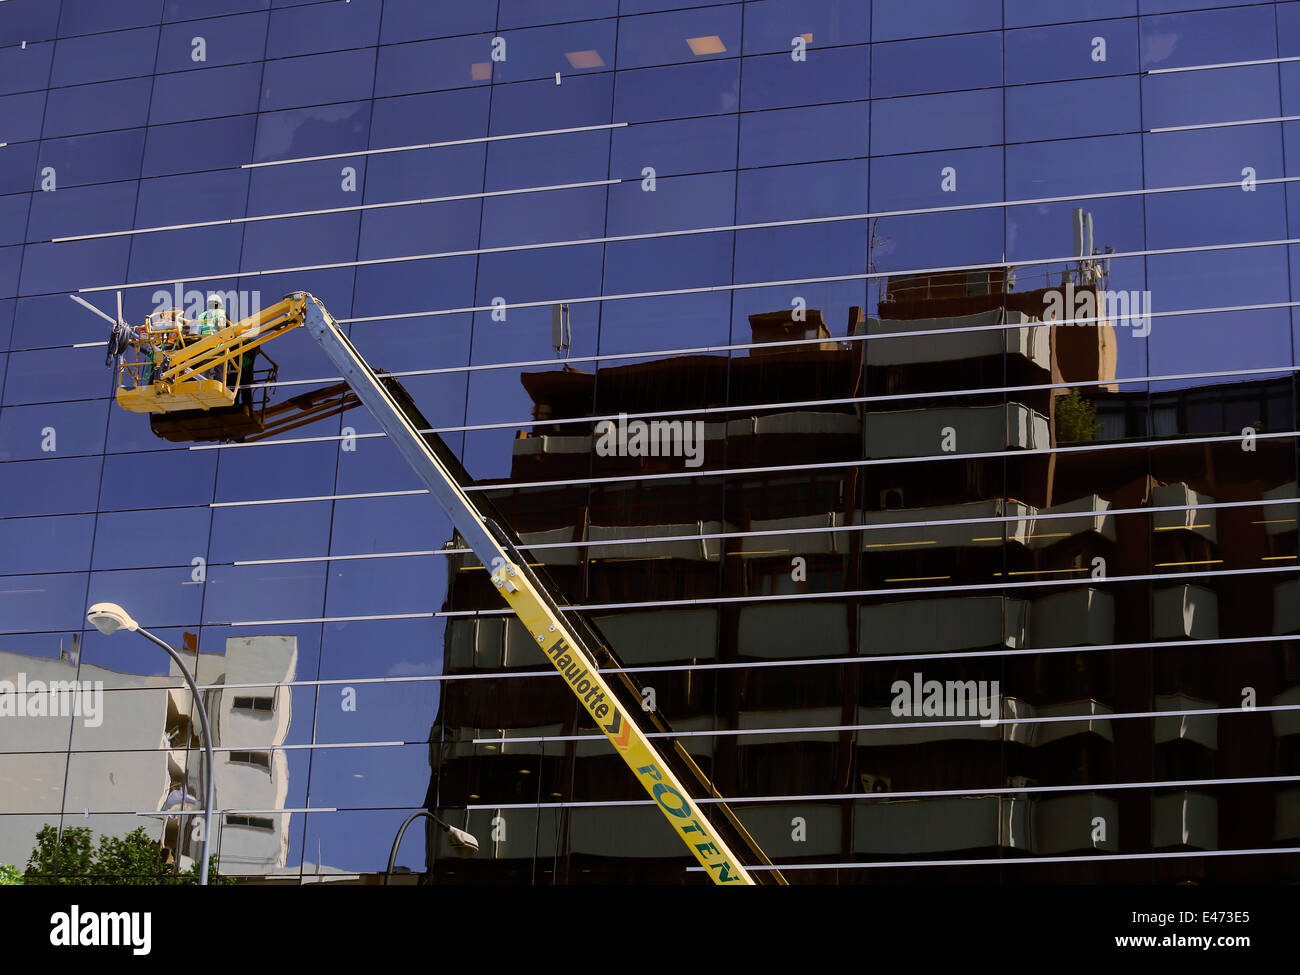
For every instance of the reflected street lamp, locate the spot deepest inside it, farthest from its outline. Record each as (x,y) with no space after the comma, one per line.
(462,844)
(108,618)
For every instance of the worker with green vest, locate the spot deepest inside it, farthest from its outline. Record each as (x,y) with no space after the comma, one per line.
(214,319)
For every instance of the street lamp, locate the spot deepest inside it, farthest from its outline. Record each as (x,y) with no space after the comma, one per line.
(108,618)
(462,844)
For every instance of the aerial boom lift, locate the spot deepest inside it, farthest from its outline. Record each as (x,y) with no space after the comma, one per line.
(208,376)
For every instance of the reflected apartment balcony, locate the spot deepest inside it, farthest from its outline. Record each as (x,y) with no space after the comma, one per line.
(970,430)
(1029,342)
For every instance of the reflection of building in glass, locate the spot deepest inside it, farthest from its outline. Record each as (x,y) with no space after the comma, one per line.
(920,481)
(689,186)
(151,734)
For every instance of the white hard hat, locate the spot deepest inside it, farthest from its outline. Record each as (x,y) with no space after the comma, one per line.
(215,301)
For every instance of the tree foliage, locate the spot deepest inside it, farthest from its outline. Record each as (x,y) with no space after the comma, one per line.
(1076,419)
(72,859)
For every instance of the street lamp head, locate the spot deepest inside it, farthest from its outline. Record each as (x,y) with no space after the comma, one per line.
(462,844)
(108,618)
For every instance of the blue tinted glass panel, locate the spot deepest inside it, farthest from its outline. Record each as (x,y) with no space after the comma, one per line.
(115,105)
(162,536)
(921,18)
(683,90)
(428,229)
(310,131)
(227,143)
(568,49)
(936,64)
(22,115)
(324,27)
(919,181)
(212,43)
(1164,6)
(1023,13)
(13,218)
(678,203)
(102,57)
(318,79)
(47,487)
(44,602)
(158,479)
(548,160)
(30,20)
(382,586)
(1198,97)
(798,192)
(522,13)
(1208,37)
(165,597)
(804,134)
(191,198)
(409,20)
(1212,155)
(52,430)
(438,117)
(1101,165)
(247,593)
(192,9)
(457,62)
(48,321)
(1071,51)
(946,121)
(302,470)
(772,25)
(55,374)
(59,544)
(87,16)
(178,254)
(281,531)
(574,214)
(24,67)
(73,265)
(82,210)
(775,81)
(677,146)
(17,167)
(536,106)
(682,35)
(800,252)
(203,94)
(300,241)
(1074,108)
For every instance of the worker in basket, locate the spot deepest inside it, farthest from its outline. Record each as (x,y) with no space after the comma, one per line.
(157,339)
(213,320)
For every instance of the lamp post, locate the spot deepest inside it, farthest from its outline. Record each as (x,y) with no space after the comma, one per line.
(108,618)
(464,844)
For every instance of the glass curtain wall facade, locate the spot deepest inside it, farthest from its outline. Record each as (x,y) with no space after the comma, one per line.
(905,389)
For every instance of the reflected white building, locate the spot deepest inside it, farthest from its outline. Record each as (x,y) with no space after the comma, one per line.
(146,754)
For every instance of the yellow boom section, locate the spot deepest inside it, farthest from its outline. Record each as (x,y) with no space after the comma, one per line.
(562,649)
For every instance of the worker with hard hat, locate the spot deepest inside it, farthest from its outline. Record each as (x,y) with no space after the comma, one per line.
(214,319)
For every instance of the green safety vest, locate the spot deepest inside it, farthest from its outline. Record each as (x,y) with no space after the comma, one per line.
(212,321)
